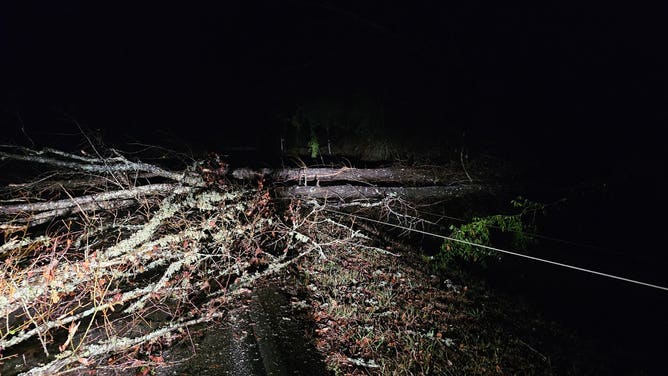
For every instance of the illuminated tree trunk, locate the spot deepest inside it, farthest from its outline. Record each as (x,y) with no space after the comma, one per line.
(405,176)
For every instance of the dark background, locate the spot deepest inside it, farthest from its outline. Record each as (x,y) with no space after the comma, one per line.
(581,86)
(573,92)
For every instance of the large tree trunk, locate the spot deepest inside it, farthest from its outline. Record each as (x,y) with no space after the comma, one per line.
(385,176)
(347,193)
(417,184)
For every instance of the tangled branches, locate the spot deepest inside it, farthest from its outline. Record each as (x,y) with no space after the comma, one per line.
(103,255)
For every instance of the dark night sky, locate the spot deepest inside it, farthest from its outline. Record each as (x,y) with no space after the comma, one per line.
(582,82)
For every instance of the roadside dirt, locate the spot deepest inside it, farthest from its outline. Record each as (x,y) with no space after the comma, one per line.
(380,314)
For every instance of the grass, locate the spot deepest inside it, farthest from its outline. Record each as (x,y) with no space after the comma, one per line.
(377,314)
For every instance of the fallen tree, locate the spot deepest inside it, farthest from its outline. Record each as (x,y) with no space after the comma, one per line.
(114,244)
(106,257)
(389,175)
(339,194)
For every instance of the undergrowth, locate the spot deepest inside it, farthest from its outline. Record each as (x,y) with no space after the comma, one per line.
(374,313)
(484,231)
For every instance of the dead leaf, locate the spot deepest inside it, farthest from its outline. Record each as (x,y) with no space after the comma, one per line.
(55,298)
(83,361)
(156,358)
(70,334)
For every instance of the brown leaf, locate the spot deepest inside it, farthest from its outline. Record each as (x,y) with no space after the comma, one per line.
(55,298)
(83,361)
(156,358)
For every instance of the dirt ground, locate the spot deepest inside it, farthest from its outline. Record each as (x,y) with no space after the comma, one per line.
(376,313)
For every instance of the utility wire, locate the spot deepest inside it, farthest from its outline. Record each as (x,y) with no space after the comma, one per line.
(533,235)
(505,251)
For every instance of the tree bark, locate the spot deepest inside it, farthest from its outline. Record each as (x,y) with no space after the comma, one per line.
(388,175)
(346,193)
(94,200)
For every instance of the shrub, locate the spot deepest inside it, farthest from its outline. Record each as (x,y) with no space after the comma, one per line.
(519,226)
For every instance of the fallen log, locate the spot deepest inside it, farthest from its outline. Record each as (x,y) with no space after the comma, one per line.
(388,175)
(347,193)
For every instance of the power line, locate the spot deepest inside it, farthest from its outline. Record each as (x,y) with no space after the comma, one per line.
(506,252)
(533,235)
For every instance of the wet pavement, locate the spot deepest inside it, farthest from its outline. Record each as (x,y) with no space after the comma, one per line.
(261,338)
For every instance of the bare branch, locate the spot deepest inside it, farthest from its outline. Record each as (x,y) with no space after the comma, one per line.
(93,165)
(96,199)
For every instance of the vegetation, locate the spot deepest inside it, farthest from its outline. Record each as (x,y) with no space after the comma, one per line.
(381,312)
(314,146)
(358,121)
(480,231)
(105,259)
(107,262)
